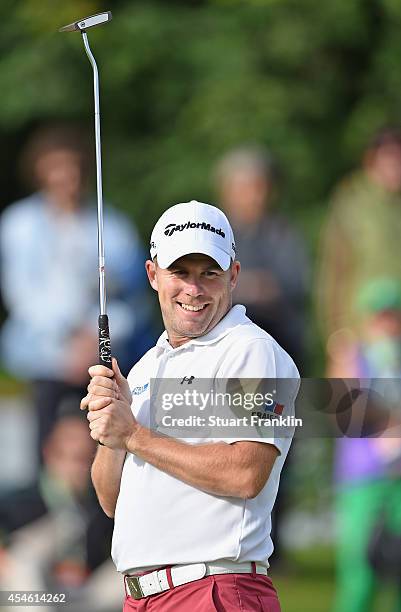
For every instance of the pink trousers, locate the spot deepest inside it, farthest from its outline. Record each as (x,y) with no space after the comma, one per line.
(218,593)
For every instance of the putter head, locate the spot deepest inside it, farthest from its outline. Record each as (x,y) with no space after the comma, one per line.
(87,22)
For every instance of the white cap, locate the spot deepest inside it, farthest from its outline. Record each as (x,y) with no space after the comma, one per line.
(192,227)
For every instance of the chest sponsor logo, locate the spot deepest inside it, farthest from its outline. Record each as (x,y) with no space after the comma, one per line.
(274,408)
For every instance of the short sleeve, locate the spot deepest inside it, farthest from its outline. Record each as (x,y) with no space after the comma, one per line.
(268,380)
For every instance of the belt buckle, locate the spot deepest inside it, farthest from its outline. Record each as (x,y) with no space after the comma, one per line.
(134,587)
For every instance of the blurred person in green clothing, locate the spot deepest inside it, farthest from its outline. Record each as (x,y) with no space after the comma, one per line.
(368,468)
(362,237)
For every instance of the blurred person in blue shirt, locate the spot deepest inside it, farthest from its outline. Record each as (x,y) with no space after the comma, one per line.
(49,274)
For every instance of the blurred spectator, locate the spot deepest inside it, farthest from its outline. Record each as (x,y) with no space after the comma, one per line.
(274,266)
(54,535)
(361,240)
(275,271)
(49,275)
(368,470)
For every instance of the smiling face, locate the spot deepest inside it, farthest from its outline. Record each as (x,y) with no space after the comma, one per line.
(194,295)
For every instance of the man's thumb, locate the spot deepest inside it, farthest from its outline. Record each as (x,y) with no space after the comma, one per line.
(116,369)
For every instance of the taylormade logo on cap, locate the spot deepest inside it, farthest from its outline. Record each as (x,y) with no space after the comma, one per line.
(173,227)
(192,227)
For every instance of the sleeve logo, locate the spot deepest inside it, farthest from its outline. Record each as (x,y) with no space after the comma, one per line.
(140,389)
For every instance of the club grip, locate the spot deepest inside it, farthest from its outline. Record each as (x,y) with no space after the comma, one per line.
(104,341)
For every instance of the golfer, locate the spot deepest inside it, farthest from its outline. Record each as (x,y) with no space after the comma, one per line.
(192,520)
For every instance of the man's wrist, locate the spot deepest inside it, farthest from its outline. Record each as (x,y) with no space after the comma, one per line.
(133,441)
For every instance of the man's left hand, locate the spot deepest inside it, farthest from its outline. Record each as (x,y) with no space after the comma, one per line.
(111,421)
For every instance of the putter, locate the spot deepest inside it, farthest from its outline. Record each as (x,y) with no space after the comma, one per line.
(103,322)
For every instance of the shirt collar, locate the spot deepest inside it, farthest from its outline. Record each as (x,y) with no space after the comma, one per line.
(234,317)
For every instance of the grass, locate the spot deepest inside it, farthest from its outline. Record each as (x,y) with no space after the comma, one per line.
(9,385)
(309,584)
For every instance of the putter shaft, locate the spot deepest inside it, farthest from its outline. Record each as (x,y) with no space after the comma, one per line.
(103,321)
(102,285)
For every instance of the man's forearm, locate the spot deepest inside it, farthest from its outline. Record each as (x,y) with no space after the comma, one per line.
(234,470)
(106,477)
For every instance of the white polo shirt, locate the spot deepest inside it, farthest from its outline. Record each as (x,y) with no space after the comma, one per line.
(160,520)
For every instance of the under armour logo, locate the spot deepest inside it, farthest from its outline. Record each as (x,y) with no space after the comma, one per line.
(187,379)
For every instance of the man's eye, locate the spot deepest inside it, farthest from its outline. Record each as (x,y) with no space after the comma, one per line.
(210,273)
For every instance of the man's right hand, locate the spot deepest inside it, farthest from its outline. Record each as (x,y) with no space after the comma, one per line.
(108,403)
(106,383)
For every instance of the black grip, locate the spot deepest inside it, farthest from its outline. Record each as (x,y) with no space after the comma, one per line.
(104,344)
(104,341)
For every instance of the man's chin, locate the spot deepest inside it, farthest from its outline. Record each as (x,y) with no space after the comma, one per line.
(194,330)
(195,333)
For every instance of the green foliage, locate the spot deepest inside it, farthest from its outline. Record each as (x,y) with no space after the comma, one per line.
(181,82)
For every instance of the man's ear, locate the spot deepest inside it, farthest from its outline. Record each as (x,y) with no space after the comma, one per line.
(235,270)
(151,272)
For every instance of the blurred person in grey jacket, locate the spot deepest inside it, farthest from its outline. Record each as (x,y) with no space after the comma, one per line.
(275,267)
(274,276)
(49,278)
(54,537)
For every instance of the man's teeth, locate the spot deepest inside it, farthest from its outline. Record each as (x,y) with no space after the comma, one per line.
(194,308)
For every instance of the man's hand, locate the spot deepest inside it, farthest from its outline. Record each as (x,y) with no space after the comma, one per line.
(109,407)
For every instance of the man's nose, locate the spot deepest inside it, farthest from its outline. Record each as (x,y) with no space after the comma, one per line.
(193,287)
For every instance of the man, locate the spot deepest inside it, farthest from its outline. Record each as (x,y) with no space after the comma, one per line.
(361,239)
(193,518)
(48,248)
(368,469)
(275,277)
(53,534)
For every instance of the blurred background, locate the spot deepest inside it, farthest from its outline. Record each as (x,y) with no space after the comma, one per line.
(287,115)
